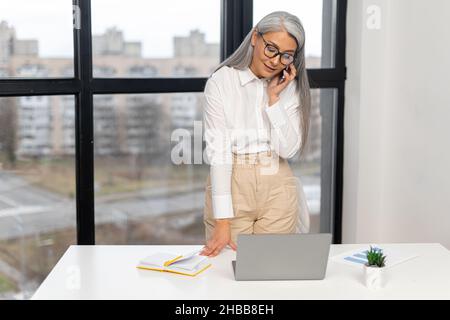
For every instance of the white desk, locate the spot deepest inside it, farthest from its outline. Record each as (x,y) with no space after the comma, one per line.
(109,272)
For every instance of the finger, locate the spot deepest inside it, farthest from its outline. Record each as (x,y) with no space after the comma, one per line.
(293,71)
(233,245)
(288,79)
(213,245)
(282,83)
(291,75)
(216,252)
(208,245)
(208,248)
(207,252)
(292,68)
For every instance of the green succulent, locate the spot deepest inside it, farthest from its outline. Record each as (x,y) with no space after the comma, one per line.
(375,258)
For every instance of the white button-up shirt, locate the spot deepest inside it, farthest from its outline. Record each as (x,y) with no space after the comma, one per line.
(237,119)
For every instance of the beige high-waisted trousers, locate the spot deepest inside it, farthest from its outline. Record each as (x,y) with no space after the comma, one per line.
(264,195)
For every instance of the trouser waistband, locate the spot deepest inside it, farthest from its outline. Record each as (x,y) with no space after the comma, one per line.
(263,157)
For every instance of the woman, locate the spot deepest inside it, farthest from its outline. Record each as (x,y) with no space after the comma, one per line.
(254,121)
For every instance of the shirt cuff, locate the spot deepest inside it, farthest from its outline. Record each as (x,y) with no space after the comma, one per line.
(222,206)
(277,114)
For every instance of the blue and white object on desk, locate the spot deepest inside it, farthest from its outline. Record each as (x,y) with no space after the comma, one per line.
(358,258)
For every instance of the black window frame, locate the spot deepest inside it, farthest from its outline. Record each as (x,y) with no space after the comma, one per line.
(236,21)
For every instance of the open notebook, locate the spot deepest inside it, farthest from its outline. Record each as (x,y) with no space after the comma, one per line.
(189,264)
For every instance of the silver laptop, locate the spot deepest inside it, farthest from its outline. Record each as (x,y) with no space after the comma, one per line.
(282,256)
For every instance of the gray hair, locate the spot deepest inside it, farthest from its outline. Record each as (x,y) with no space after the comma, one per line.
(275,22)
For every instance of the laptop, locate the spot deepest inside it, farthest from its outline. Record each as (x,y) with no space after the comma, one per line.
(282,256)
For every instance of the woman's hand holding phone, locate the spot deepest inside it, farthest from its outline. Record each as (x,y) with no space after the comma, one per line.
(283,75)
(279,82)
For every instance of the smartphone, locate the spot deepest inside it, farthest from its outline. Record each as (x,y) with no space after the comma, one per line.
(282,75)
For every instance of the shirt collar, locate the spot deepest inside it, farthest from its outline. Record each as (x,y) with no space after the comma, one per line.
(247,75)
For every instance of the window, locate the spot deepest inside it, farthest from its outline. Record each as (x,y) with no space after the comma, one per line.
(37,189)
(30,48)
(145,42)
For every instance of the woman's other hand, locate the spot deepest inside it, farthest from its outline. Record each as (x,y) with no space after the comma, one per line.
(220,238)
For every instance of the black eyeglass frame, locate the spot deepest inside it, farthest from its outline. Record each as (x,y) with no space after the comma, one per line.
(279,53)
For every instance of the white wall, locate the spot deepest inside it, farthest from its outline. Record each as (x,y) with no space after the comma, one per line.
(397,122)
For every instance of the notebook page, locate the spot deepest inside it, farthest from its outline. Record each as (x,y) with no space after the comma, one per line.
(202,265)
(188,264)
(188,255)
(158,259)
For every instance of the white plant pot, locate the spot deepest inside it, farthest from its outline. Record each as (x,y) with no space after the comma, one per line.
(374,277)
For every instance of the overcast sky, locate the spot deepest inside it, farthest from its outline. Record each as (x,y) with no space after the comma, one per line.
(154,23)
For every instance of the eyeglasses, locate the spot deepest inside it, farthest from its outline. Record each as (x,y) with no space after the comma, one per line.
(271,51)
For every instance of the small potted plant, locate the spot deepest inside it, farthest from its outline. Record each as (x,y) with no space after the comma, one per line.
(373,269)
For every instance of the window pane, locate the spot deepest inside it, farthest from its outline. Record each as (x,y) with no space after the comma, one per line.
(30,48)
(146,43)
(317,18)
(141,195)
(37,189)
(308,167)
